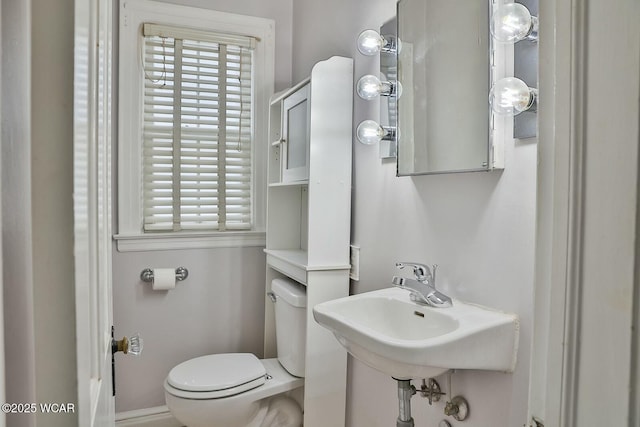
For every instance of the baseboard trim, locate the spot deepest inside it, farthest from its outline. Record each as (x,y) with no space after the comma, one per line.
(158,416)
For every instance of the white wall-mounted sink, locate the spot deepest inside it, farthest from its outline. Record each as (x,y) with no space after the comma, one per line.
(391,333)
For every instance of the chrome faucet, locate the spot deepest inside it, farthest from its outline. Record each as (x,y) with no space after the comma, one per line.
(423,287)
(421,271)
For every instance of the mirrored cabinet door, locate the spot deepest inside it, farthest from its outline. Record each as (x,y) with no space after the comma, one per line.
(443,65)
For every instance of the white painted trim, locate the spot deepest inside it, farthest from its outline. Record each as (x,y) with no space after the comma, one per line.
(87,394)
(2,354)
(567,209)
(554,125)
(2,242)
(572,242)
(634,395)
(132,14)
(585,256)
(168,241)
(158,416)
(559,216)
(92,210)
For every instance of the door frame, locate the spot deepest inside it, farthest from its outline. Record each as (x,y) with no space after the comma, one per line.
(2,354)
(93,53)
(586,264)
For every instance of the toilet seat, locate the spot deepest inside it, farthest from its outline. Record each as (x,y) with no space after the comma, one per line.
(216,376)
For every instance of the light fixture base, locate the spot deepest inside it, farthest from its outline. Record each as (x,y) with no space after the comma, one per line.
(525,125)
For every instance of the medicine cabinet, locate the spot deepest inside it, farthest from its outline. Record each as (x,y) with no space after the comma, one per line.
(444,123)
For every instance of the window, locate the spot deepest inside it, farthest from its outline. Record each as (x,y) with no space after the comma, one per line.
(194,89)
(197,133)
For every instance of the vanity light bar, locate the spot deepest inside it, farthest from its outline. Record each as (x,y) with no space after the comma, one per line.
(370,43)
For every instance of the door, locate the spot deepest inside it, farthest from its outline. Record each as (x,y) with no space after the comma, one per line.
(92,210)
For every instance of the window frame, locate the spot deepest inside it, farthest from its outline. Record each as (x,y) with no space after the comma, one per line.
(133,14)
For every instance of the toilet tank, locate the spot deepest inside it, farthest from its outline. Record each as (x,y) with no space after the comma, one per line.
(291,324)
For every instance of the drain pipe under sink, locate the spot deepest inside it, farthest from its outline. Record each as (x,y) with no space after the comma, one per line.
(405,391)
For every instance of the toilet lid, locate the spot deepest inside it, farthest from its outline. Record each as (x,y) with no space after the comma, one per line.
(235,372)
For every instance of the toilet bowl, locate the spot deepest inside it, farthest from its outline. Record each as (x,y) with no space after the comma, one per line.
(246,404)
(238,389)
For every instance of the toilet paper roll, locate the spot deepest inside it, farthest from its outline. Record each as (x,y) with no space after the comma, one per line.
(164,279)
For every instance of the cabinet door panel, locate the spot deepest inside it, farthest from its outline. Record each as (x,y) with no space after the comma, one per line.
(295,131)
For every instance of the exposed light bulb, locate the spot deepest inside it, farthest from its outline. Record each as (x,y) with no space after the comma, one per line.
(370,42)
(370,132)
(369,87)
(511,96)
(513,22)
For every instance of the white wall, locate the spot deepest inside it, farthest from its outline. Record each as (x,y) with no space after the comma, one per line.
(220,308)
(478,227)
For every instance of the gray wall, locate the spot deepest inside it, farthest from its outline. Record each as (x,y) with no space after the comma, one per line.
(37,205)
(278,10)
(16,207)
(478,227)
(220,308)
(52,205)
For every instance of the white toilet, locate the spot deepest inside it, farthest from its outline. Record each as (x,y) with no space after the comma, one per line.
(238,389)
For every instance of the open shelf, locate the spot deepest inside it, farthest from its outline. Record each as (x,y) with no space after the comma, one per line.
(298,259)
(289,184)
(292,262)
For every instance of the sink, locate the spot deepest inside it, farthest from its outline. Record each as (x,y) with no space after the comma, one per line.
(389,332)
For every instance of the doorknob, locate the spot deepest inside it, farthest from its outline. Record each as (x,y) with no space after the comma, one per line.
(132,345)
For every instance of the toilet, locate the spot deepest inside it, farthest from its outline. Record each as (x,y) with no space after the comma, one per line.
(240,390)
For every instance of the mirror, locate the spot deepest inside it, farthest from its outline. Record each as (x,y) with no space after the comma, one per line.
(443,66)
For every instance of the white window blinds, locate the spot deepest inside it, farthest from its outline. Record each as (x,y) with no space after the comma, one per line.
(197,130)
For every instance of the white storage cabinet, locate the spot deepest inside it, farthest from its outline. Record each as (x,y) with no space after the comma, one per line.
(308,220)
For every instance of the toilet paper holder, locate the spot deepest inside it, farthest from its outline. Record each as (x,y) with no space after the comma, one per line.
(147,274)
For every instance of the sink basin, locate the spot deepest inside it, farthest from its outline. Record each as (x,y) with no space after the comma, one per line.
(389,332)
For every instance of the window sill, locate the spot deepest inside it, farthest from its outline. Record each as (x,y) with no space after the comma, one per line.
(170,241)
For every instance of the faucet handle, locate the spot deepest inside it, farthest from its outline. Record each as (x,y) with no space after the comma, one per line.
(421,271)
